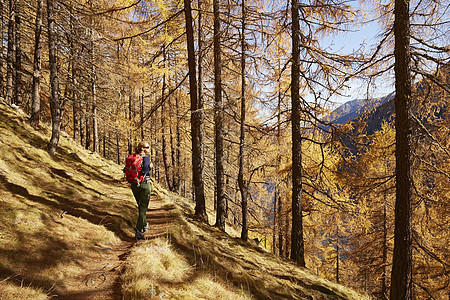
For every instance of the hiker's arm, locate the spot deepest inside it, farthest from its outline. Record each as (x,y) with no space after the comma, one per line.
(146,167)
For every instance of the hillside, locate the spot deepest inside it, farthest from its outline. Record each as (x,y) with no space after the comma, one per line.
(355,108)
(66,233)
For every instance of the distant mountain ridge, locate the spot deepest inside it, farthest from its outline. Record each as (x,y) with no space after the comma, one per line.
(355,108)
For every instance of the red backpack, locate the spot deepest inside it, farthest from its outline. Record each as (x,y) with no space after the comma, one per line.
(133,168)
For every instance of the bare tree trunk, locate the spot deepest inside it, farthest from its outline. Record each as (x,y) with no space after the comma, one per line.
(87,119)
(1,48)
(104,141)
(176,175)
(172,146)
(196,121)
(55,105)
(95,137)
(36,93)
(157,147)
(279,201)
(241,181)
(119,159)
(218,120)
(384,278)
(297,246)
(280,227)
(401,276)
(82,117)
(11,51)
(275,220)
(163,129)
(130,118)
(18,85)
(75,95)
(141,111)
(337,250)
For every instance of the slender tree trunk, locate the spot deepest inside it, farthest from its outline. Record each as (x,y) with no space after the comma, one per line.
(280,204)
(218,120)
(104,141)
(87,123)
(337,250)
(55,105)
(200,59)
(385,246)
(176,175)
(163,137)
(36,93)
(297,246)
(401,276)
(1,48)
(82,117)
(18,85)
(11,51)
(280,227)
(275,220)
(286,234)
(75,95)
(130,118)
(157,147)
(141,112)
(196,121)
(241,181)
(95,137)
(163,128)
(119,160)
(172,151)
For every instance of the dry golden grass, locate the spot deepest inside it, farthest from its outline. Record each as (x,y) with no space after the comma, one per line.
(59,213)
(213,265)
(55,214)
(10,291)
(155,268)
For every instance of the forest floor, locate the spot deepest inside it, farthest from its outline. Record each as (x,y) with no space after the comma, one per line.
(66,232)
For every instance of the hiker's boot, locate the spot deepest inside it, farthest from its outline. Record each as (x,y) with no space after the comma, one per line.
(139,235)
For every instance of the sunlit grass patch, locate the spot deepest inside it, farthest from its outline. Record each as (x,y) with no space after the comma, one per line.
(206,287)
(155,268)
(151,265)
(38,243)
(10,291)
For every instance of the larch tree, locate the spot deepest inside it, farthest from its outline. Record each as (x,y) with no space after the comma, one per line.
(37,67)
(297,246)
(73,51)
(218,120)
(55,103)
(196,120)
(18,67)
(93,83)
(10,52)
(2,6)
(401,277)
(243,188)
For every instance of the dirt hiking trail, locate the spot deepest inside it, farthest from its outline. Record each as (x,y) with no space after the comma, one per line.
(102,280)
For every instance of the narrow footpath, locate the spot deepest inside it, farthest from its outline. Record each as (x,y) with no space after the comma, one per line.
(102,280)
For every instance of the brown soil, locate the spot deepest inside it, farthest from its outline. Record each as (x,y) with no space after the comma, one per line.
(102,280)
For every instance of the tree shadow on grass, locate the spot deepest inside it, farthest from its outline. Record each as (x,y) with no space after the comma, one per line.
(86,211)
(28,260)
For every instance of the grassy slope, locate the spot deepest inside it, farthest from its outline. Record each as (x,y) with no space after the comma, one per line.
(58,213)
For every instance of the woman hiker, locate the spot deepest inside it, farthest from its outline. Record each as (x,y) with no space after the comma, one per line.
(137,172)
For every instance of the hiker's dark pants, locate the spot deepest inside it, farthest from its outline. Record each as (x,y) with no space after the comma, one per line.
(142,195)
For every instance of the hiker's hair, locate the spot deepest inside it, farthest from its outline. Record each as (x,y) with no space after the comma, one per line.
(140,146)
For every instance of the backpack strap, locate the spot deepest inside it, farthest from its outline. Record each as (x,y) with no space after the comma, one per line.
(137,176)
